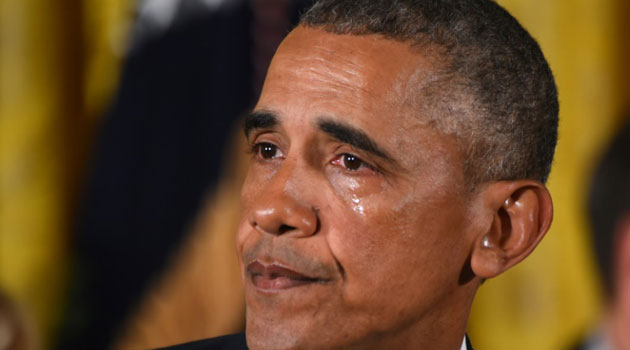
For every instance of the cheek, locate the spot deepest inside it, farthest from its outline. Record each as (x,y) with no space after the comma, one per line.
(403,242)
(355,193)
(370,246)
(250,190)
(258,178)
(243,235)
(356,224)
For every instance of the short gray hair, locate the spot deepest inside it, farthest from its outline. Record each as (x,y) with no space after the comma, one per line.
(495,89)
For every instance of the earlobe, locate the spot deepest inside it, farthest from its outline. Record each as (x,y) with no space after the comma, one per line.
(522,213)
(487,259)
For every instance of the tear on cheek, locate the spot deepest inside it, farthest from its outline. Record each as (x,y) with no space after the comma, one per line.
(357,207)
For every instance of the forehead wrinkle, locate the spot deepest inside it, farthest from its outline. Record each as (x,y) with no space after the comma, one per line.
(353,58)
(354,67)
(348,75)
(346,86)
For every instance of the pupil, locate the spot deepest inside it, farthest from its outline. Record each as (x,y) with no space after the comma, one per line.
(351,162)
(267,151)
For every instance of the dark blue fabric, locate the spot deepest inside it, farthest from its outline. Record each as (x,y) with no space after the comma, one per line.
(234,342)
(228,342)
(468,343)
(158,152)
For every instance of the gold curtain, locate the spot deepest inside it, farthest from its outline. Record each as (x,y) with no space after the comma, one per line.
(58,65)
(550,298)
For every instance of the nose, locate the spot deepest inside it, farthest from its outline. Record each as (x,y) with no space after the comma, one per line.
(282,208)
(285,215)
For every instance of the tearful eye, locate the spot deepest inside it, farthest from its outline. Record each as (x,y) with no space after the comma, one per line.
(350,162)
(266,150)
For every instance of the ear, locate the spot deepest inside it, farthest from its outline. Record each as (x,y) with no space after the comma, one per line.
(521,212)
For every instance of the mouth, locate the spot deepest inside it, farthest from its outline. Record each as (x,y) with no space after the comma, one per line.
(275,277)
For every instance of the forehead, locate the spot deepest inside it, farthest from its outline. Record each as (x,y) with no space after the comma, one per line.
(369,81)
(368,71)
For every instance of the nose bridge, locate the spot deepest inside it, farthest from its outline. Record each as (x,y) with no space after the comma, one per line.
(289,181)
(298,180)
(286,206)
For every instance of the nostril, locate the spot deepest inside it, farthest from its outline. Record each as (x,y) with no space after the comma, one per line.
(284,216)
(285,228)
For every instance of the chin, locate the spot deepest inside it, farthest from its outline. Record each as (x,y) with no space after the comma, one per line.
(296,334)
(262,335)
(286,333)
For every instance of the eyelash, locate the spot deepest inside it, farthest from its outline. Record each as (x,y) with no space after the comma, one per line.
(343,157)
(255,150)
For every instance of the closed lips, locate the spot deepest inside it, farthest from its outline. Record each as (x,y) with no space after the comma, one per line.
(270,277)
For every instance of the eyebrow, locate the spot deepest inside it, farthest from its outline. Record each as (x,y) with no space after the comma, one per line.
(340,131)
(354,137)
(259,120)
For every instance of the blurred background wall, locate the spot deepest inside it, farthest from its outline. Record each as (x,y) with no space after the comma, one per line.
(115,116)
(58,67)
(556,292)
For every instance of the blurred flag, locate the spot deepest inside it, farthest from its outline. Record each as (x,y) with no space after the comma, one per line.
(547,301)
(58,64)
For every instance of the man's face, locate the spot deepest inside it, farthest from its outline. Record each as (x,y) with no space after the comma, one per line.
(356,225)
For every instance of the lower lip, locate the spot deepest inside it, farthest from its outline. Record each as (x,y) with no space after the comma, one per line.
(276,284)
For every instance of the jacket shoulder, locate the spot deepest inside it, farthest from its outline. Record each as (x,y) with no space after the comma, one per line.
(226,342)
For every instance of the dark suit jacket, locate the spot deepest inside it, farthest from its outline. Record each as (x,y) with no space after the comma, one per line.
(227,342)
(232,342)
